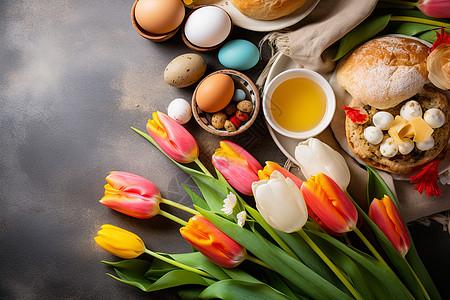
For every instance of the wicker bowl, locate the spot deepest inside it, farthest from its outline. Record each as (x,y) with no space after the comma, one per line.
(240,82)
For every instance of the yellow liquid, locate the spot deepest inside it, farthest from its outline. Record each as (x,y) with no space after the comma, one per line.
(298,104)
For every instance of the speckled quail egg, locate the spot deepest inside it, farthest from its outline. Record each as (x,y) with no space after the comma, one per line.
(373,135)
(426,145)
(383,120)
(407,146)
(434,117)
(389,148)
(411,110)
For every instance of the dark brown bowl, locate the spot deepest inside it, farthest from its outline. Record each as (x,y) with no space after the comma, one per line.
(240,82)
(148,35)
(195,47)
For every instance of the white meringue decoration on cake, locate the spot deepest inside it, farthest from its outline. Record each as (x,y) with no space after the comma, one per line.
(407,146)
(373,135)
(434,117)
(383,120)
(389,148)
(411,110)
(426,145)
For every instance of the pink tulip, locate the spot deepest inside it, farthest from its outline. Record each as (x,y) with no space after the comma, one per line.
(327,202)
(435,8)
(385,214)
(238,166)
(173,138)
(132,195)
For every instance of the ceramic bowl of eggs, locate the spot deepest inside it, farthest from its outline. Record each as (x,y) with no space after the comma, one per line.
(225,103)
(157,20)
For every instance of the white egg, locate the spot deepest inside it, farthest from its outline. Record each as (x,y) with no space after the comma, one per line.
(180,110)
(434,117)
(407,146)
(389,148)
(373,135)
(207,26)
(426,145)
(411,110)
(383,120)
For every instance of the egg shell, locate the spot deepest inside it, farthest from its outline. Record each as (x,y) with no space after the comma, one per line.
(185,70)
(180,110)
(214,92)
(207,26)
(159,17)
(239,55)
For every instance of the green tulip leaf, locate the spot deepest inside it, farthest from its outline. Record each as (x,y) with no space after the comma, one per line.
(370,277)
(287,266)
(191,293)
(232,289)
(430,36)
(410,28)
(177,278)
(132,272)
(376,188)
(199,261)
(363,32)
(197,200)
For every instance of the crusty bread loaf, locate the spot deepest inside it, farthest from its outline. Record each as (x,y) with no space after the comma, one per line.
(267,9)
(385,71)
(400,164)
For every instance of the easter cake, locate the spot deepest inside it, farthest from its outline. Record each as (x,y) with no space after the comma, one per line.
(395,122)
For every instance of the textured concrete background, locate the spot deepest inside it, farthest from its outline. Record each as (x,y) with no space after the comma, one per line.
(74,77)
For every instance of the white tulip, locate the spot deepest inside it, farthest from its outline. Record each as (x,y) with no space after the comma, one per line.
(280,203)
(316,157)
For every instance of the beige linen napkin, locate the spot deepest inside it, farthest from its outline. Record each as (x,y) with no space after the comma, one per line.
(308,44)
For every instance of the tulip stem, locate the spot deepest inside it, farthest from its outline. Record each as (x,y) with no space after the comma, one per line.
(259,262)
(173,218)
(177,264)
(369,246)
(330,264)
(204,169)
(418,20)
(418,280)
(347,240)
(179,206)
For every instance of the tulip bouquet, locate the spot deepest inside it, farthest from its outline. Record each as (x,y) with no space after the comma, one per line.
(296,243)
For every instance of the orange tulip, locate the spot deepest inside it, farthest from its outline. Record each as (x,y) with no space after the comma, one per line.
(329,203)
(271,166)
(132,195)
(385,214)
(173,138)
(213,243)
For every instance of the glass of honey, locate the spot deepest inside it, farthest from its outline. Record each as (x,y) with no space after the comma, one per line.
(299,103)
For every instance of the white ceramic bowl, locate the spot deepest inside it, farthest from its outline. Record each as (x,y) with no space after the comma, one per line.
(299,73)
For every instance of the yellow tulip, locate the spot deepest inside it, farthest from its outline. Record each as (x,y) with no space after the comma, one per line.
(120,242)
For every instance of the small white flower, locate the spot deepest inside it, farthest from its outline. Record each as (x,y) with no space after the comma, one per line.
(444,178)
(228,204)
(241,218)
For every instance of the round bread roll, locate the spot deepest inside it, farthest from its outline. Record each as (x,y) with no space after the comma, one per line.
(370,154)
(385,71)
(267,9)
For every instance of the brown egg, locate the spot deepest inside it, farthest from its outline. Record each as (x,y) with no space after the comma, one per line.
(159,16)
(214,92)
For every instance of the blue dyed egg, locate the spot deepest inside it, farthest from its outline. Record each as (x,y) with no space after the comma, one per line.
(239,55)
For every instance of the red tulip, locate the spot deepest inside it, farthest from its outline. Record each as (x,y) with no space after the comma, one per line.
(385,214)
(213,243)
(329,203)
(132,195)
(271,166)
(238,166)
(173,138)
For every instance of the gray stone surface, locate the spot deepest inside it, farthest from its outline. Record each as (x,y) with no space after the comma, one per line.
(74,77)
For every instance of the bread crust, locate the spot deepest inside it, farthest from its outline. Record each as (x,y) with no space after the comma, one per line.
(370,154)
(385,71)
(267,9)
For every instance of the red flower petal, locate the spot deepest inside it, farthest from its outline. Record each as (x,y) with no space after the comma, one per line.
(426,180)
(442,38)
